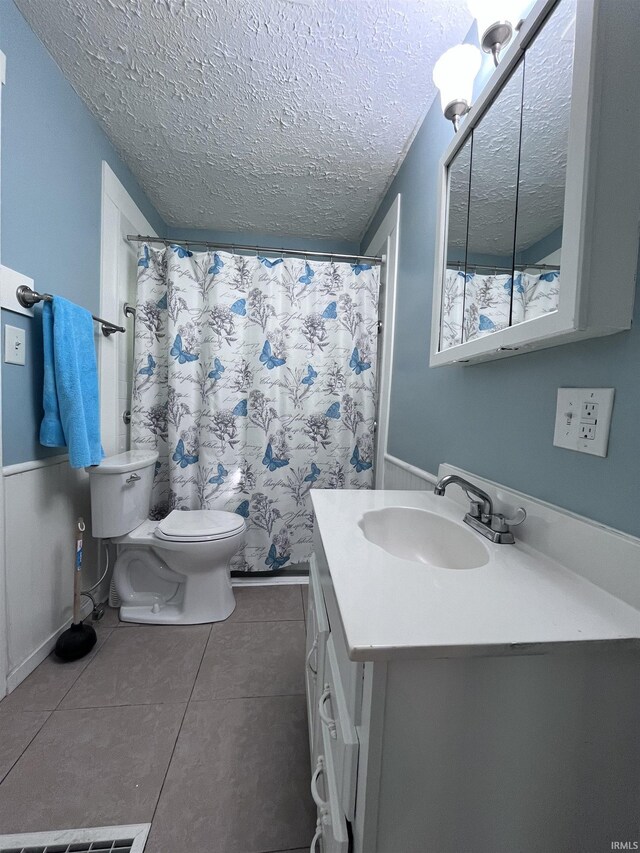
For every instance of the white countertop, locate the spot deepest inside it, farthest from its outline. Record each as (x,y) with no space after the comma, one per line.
(391,607)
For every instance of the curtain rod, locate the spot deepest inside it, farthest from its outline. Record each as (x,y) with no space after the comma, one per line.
(517,267)
(138,238)
(28,298)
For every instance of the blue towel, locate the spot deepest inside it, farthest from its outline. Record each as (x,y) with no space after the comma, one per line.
(71,397)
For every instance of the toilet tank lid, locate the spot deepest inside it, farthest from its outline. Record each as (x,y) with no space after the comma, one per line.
(131,460)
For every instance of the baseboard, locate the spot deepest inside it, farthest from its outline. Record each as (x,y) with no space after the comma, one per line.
(18,675)
(277,581)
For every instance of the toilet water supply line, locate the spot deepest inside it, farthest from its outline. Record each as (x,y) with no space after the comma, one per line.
(97,612)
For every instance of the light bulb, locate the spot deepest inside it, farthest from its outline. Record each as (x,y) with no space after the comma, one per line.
(454,74)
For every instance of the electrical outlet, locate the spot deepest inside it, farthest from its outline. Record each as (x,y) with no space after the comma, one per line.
(587,431)
(583,419)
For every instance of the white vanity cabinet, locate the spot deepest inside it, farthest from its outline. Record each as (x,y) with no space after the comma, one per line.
(463,751)
(317,633)
(332,734)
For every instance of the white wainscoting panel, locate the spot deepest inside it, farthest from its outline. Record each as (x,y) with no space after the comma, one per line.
(401,475)
(42,505)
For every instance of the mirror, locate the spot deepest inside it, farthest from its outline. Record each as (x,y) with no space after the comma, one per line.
(543,163)
(454,279)
(506,193)
(492,213)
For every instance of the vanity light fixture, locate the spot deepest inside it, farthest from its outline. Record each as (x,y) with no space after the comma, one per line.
(496,21)
(454,74)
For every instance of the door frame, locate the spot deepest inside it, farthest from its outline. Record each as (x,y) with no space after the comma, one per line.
(4,637)
(116,201)
(386,242)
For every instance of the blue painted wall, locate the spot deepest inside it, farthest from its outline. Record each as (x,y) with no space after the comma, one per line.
(52,152)
(497,419)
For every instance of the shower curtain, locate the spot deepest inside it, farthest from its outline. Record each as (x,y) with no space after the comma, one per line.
(255,379)
(474,304)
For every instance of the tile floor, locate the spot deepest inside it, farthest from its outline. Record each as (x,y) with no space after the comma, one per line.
(200,730)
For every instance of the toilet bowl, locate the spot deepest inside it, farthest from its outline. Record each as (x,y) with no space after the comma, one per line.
(174,571)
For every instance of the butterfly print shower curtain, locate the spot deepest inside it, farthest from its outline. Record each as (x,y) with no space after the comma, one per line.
(255,379)
(474,304)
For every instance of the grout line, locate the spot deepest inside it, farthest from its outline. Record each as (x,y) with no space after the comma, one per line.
(155,704)
(256,621)
(283,850)
(175,743)
(35,735)
(64,696)
(257,696)
(304,612)
(174,702)
(85,667)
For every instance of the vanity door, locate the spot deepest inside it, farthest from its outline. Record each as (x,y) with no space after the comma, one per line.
(331,834)
(317,633)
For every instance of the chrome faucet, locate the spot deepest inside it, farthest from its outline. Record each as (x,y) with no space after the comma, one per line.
(481,517)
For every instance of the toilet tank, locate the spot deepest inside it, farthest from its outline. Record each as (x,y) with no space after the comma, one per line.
(121,492)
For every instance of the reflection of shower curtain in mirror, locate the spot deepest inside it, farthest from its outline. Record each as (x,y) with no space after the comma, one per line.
(474,305)
(255,380)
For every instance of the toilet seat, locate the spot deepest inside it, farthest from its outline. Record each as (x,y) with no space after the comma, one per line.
(200,525)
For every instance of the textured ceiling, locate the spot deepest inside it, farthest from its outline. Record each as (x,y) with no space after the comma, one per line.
(273,116)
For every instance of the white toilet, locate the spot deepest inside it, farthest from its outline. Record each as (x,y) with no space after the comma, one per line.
(175,571)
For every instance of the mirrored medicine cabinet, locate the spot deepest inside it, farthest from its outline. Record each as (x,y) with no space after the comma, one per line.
(537,238)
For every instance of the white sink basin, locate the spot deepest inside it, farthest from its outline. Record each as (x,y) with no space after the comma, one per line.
(424,537)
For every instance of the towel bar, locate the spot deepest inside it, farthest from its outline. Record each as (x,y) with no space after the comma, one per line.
(28,298)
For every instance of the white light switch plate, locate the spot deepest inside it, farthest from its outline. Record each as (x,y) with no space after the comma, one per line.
(14,344)
(583,419)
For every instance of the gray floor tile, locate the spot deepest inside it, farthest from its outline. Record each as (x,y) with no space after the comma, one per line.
(238,781)
(47,685)
(252,659)
(142,666)
(267,603)
(93,767)
(17,729)
(110,619)
(305,602)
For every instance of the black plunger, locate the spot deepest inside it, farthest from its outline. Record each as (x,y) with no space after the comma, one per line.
(78,640)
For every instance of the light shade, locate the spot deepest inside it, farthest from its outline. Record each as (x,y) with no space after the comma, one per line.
(455,72)
(489,12)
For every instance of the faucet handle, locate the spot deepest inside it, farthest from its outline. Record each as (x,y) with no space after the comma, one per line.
(475,510)
(518,518)
(500,524)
